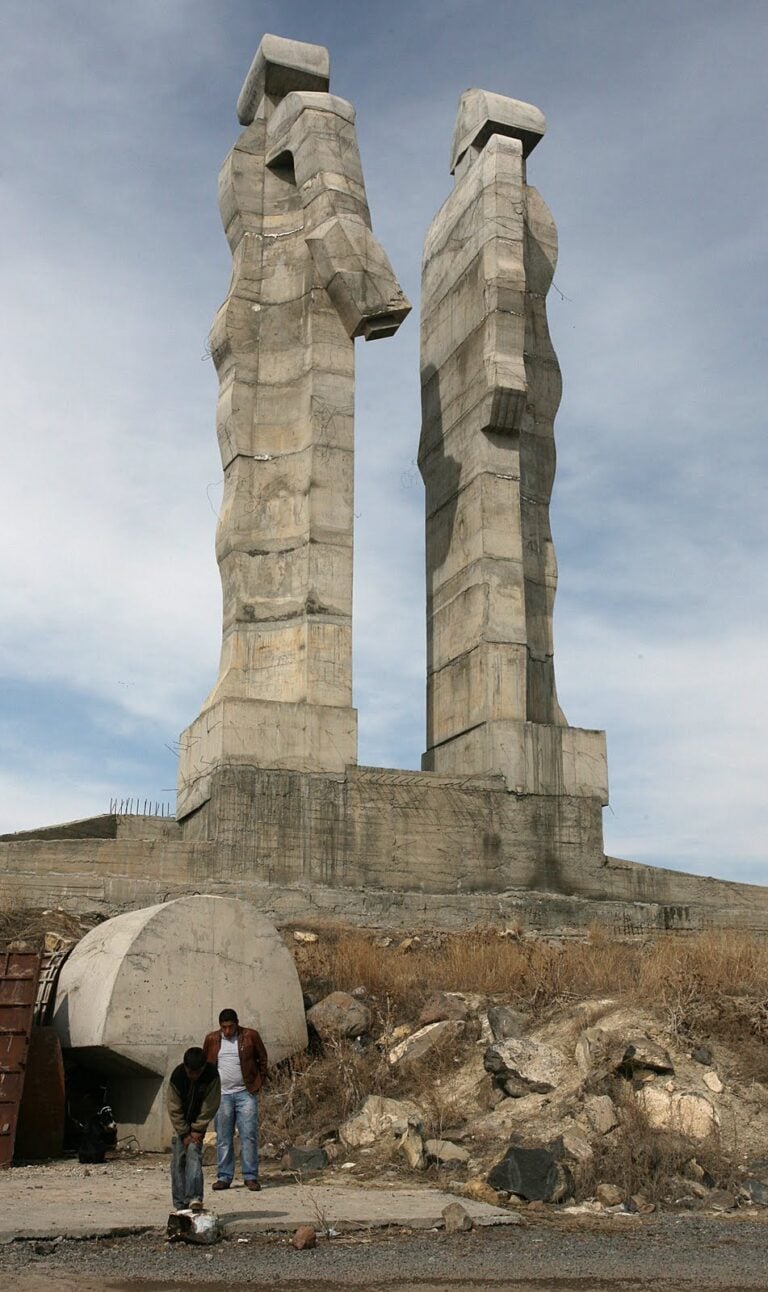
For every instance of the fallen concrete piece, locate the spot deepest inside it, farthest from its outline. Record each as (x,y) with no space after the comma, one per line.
(425,1039)
(530,1065)
(380,1116)
(601,1111)
(141,988)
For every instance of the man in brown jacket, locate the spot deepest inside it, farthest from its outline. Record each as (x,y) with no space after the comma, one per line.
(193,1097)
(239,1054)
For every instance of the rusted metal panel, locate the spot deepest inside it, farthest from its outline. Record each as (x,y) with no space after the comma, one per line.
(40,1128)
(19,975)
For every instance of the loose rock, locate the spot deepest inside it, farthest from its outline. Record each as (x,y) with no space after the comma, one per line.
(610,1195)
(456,1219)
(444,1005)
(533,1174)
(304,936)
(421,1042)
(721,1200)
(712,1082)
(521,1060)
(756,1191)
(577,1145)
(411,1146)
(304,1238)
(444,1151)
(477,1189)
(380,1117)
(703,1055)
(600,1053)
(339,1015)
(304,1159)
(641,1052)
(506,1022)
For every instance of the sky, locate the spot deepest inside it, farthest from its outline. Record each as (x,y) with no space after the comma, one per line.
(116,119)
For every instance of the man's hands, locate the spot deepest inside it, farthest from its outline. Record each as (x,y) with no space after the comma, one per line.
(194,1137)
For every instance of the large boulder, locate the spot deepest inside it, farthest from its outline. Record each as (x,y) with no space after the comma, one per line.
(686,1112)
(380,1117)
(339,1015)
(533,1174)
(525,1066)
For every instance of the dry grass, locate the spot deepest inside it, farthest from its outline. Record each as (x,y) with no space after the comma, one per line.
(709,984)
(31,925)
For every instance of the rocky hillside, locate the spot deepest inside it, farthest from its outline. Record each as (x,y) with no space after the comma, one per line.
(598,1074)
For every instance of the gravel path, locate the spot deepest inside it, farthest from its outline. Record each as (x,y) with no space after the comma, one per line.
(669,1252)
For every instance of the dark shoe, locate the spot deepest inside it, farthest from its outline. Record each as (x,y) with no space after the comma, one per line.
(253,1185)
(221,1184)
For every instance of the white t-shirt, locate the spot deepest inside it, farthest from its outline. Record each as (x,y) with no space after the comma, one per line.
(230,1072)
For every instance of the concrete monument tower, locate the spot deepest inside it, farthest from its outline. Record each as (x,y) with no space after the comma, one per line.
(490,390)
(307,278)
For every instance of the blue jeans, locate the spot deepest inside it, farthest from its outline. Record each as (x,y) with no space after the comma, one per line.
(239,1110)
(186,1173)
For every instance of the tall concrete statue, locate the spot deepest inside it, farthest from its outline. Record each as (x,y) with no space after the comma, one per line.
(308,277)
(490,390)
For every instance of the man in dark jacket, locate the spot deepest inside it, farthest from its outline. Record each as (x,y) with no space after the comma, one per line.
(239,1054)
(194,1094)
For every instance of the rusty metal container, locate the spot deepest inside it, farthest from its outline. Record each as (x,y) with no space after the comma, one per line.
(19,974)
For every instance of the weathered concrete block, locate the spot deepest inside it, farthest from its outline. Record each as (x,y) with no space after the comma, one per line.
(140,988)
(268,733)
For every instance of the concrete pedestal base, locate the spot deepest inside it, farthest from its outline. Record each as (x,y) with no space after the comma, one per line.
(533,757)
(262,733)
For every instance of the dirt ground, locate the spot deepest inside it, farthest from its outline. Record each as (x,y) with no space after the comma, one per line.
(674,1254)
(545,1248)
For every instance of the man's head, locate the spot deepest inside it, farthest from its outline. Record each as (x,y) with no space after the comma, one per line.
(194,1062)
(228,1023)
